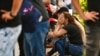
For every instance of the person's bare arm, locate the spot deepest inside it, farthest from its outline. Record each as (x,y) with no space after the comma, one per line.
(58,31)
(86,16)
(78,8)
(16,6)
(8,15)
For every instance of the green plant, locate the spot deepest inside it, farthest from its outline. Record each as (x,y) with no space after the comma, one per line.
(83,4)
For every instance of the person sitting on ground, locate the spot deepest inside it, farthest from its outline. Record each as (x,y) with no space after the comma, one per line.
(68,25)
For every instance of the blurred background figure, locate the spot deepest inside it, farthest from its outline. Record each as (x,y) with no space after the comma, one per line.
(92,22)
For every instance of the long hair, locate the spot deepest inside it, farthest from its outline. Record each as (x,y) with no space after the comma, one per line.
(75,21)
(68,16)
(62,9)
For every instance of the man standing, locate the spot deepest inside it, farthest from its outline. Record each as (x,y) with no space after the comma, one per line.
(92,20)
(10,25)
(41,29)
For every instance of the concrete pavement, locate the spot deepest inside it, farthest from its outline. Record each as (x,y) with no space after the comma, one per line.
(17,50)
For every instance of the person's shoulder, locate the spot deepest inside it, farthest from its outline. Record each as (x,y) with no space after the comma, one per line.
(69,25)
(72,25)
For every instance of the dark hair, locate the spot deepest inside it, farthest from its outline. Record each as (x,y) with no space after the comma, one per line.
(62,9)
(76,18)
(69,17)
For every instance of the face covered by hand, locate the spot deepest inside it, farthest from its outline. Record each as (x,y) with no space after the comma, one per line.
(61,19)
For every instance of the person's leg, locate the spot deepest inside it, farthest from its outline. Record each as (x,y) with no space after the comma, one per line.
(93,41)
(9,40)
(59,45)
(2,41)
(75,50)
(36,39)
(42,29)
(26,46)
(20,42)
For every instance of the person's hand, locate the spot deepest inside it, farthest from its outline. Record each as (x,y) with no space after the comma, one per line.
(6,15)
(50,34)
(60,22)
(61,19)
(91,16)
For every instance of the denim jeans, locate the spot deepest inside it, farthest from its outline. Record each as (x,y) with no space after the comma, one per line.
(74,50)
(8,39)
(34,41)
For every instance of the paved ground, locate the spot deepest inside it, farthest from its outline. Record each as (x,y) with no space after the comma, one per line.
(17,50)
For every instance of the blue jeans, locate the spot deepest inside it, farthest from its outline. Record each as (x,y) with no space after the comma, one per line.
(8,39)
(74,50)
(34,41)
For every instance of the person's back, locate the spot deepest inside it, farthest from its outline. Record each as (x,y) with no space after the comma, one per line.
(35,27)
(74,34)
(92,20)
(26,6)
(28,15)
(41,8)
(7,5)
(93,5)
(93,28)
(74,45)
(10,25)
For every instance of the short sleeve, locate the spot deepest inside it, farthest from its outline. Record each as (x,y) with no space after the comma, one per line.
(69,27)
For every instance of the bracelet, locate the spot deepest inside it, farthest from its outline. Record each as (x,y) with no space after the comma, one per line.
(12,15)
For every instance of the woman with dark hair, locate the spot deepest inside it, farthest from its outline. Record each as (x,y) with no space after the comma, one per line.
(69,26)
(62,9)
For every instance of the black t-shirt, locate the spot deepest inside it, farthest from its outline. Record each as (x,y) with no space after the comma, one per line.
(93,5)
(39,4)
(6,5)
(74,34)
